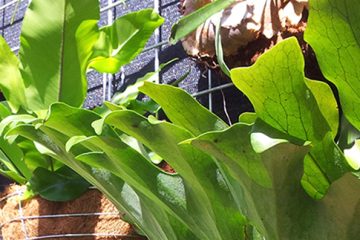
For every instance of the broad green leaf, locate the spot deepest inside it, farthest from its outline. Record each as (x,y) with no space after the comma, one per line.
(183,110)
(60,185)
(333,32)
(276,87)
(11,156)
(208,200)
(150,217)
(60,113)
(49,58)
(284,99)
(165,190)
(126,163)
(86,35)
(13,120)
(4,110)
(139,210)
(281,209)
(121,42)
(326,102)
(189,23)
(11,83)
(324,164)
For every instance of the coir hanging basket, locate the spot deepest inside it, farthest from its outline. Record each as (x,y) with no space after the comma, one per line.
(91,216)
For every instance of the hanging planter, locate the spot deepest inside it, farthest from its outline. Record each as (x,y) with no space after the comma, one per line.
(90,216)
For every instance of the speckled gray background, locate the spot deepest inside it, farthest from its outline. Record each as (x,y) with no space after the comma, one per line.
(196,81)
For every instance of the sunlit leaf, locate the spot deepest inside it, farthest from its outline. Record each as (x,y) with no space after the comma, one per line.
(333,32)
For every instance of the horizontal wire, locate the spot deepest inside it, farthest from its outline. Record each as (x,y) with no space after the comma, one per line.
(114,4)
(145,50)
(18,193)
(60,216)
(83,235)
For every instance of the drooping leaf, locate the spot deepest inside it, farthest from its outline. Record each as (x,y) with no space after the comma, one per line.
(190,22)
(183,110)
(131,92)
(279,92)
(165,190)
(151,219)
(121,42)
(281,209)
(50,65)
(333,32)
(12,120)
(206,190)
(10,78)
(11,157)
(61,185)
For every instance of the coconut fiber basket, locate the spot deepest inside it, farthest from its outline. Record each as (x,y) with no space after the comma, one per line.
(91,216)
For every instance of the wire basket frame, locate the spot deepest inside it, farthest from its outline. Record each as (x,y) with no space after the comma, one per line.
(22,218)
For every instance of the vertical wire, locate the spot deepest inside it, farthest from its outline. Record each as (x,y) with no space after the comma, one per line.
(110,19)
(210,87)
(157,40)
(21,215)
(106,77)
(104,81)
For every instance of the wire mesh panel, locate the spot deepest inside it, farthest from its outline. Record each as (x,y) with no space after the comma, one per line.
(210,87)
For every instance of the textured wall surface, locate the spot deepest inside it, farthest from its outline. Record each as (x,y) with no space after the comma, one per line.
(228,99)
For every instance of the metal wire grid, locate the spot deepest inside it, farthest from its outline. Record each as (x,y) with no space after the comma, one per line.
(23,219)
(159,43)
(107,92)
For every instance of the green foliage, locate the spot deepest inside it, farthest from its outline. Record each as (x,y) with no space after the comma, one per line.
(59,41)
(121,42)
(277,204)
(10,78)
(287,171)
(48,43)
(282,99)
(189,23)
(333,33)
(60,185)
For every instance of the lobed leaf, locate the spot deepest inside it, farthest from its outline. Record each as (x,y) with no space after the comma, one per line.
(285,100)
(333,32)
(281,209)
